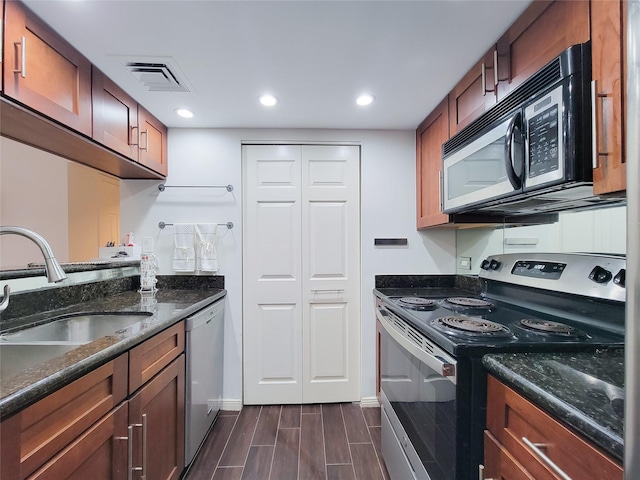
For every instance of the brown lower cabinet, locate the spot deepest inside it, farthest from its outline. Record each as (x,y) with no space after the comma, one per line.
(87,428)
(514,424)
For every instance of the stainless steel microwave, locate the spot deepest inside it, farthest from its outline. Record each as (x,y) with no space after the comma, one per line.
(531,152)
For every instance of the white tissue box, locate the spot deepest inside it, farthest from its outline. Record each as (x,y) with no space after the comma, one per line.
(111,253)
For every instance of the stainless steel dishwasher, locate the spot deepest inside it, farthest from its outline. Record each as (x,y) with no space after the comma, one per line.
(205,349)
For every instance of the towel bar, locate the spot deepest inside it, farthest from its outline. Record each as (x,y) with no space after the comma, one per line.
(162,186)
(229,225)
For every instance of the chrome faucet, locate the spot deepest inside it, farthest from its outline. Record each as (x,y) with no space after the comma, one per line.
(51,266)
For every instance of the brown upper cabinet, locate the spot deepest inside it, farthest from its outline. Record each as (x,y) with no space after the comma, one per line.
(123,125)
(152,140)
(608,40)
(53,99)
(115,116)
(541,33)
(44,72)
(430,136)
(475,93)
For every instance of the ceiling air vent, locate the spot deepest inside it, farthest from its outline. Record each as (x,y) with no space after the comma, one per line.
(157,77)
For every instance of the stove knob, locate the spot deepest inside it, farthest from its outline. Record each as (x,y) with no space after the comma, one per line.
(485,264)
(619,279)
(600,275)
(494,265)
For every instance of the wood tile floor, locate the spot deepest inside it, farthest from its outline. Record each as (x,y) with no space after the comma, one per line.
(293,442)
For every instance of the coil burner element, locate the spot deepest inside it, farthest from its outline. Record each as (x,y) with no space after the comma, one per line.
(417,303)
(467,302)
(472,326)
(547,327)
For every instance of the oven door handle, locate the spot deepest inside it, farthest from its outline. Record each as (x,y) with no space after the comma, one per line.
(446,368)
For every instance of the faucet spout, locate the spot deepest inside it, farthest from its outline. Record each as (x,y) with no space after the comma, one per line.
(54,271)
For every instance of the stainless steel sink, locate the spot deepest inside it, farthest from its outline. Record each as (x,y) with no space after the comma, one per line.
(33,346)
(76,329)
(14,358)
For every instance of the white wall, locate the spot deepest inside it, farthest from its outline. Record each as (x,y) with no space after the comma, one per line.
(33,194)
(213,157)
(597,231)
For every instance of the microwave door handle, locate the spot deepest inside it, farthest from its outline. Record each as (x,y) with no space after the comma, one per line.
(512,175)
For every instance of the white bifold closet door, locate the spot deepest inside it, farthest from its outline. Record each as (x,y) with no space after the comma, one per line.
(301,274)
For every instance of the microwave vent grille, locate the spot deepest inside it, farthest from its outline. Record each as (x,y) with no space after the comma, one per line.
(545,77)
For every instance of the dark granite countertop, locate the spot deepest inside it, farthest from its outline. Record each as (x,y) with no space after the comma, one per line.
(166,306)
(583,390)
(426,285)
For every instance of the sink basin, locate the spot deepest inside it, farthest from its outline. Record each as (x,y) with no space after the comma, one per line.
(14,358)
(76,329)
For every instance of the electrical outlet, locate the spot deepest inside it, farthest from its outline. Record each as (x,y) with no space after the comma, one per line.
(464,263)
(147,245)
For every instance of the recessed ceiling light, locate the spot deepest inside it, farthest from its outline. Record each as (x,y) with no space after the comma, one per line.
(183,112)
(365,99)
(268,100)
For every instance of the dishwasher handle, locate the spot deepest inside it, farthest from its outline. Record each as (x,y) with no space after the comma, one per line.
(204,316)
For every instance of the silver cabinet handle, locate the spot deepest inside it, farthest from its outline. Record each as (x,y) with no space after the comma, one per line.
(134,127)
(143,468)
(328,290)
(481,473)
(597,100)
(130,453)
(484,79)
(129,450)
(495,69)
(146,143)
(144,447)
(537,449)
(22,70)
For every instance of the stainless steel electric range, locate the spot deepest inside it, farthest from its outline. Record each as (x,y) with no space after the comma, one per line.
(433,386)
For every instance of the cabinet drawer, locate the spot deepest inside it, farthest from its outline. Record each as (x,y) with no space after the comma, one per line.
(30,438)
(148,358)
(99,454)
(499,464)
(513,420)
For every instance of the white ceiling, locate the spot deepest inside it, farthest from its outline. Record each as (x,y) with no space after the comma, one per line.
(315,56)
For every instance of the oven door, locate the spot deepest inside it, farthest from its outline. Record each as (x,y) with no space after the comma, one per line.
(419,395)
(488,168)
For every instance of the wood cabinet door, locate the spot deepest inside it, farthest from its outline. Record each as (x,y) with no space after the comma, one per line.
(115,116)
(607,47)
(157,415)
(151,356)
(475,93)
(44,72)
(98,454)
(541,33)
(30,438)
(430,136)
(152,142)
(499,464)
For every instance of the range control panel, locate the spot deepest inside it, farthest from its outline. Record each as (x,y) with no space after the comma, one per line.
(592,275)
(537,269)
